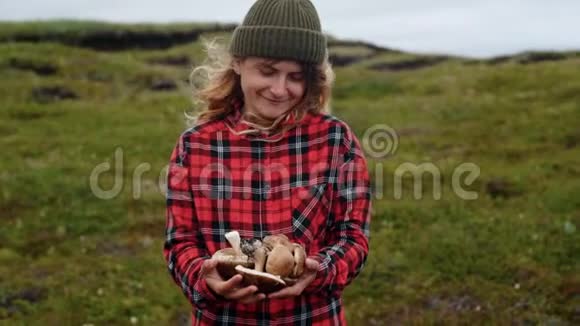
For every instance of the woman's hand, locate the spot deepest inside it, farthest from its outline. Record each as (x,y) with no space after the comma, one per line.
(309,274)
(230,289)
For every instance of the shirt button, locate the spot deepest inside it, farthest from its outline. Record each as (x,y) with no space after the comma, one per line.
(265,191)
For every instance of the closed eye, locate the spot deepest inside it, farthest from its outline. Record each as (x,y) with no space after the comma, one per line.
(297,77)
(267,72)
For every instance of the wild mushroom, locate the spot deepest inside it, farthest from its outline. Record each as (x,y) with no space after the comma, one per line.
(235,241)
(270,264)
(280,261)
(265,282)
(299,260)
(229,258)
(285,258)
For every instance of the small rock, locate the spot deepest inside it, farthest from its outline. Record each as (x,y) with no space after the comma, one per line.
(52,93)
(39,68)
(163,85)
(31,295)
(499,187)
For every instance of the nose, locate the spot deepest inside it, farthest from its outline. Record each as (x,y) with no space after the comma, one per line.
(278,87)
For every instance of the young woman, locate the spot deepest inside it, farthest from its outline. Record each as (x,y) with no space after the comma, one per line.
(265,157)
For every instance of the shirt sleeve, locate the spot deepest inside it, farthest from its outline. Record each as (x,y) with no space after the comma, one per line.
(184,248)
(344,256)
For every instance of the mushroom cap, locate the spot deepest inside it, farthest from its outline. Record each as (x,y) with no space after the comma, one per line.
(265,282)
(279,239)
(249,246)
(228,260)
(280,261)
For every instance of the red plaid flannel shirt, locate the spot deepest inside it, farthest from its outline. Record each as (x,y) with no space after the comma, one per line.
(312,185)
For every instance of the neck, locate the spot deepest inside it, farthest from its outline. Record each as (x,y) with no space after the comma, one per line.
(258,119)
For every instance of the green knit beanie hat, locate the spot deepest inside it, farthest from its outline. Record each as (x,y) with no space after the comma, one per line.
(280,29)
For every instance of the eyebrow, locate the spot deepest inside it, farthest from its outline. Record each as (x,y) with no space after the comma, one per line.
(272,61)
(270,64)
(265,65)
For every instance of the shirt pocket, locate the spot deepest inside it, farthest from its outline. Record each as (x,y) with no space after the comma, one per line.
(310,207)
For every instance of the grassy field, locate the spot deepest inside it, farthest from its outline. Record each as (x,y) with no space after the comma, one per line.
(511,256)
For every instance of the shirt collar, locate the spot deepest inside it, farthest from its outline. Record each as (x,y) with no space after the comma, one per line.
(234,120)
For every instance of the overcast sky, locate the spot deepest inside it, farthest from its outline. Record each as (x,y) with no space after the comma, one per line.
(477,28)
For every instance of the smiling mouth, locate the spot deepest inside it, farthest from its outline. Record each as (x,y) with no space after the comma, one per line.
(273,101)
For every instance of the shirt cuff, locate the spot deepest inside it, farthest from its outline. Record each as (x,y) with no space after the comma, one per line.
(203,294)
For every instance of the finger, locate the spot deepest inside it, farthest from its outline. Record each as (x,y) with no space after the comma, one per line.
(253,298)
(311,264)
(208,266)
(224,287)
(237,294)
(290,291)
(231,284)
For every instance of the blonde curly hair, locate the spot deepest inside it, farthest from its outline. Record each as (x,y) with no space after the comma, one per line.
(216,86)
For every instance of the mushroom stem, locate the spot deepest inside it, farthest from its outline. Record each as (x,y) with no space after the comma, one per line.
(260,259)
(233,238)
(299,260)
